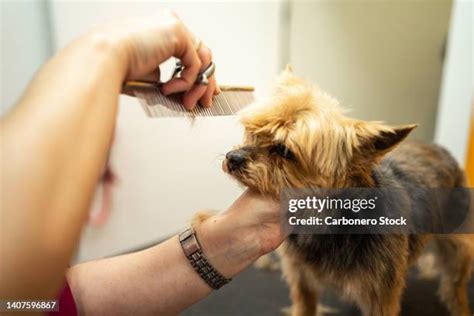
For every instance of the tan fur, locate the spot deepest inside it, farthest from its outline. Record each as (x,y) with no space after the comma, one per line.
(312,124)
(330,150)
(200,217)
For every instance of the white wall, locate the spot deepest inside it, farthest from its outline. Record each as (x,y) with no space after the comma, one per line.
(244,36)
(456,98)
(169,168)
(381,58)
(25,46)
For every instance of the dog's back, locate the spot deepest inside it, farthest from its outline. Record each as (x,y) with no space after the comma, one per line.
(362,265)
(423,165)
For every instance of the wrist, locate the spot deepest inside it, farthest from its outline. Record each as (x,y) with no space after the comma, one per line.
(228,245)
(108,48)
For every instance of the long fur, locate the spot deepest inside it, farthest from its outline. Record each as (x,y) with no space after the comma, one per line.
(330,150)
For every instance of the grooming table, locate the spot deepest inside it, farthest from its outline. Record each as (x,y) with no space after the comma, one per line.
(263,293)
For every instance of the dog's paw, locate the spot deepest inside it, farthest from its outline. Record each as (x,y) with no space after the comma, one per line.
(201,216)
(322,310)
(287,311)
(426,266)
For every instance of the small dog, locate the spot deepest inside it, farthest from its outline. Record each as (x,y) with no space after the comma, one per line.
(300,138)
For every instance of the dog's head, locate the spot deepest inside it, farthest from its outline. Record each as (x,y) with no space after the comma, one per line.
(300,138)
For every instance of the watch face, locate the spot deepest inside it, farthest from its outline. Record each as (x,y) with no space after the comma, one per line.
(185,234)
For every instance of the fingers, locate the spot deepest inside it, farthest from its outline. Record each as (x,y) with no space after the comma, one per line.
(192,64)
(218,89)
(191,97)
(206,99)
(152,77)
(202,93)
(186,52)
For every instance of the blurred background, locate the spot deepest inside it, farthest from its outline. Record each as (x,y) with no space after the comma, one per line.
(397,61)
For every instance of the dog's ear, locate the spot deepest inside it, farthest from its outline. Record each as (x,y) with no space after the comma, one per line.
(387,140)
(288,81)
(379,139)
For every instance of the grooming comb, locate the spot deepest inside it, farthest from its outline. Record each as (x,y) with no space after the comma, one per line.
(155,104)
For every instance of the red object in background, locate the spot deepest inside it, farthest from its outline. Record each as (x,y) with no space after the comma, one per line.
(98,217)
(67,306)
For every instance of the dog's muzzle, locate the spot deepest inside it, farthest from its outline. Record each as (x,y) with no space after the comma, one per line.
(236,159)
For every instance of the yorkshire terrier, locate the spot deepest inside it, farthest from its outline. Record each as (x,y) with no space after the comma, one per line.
(300,138)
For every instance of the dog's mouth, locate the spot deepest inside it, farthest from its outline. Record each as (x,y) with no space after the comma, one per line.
(226,167)
(230,169)
(246,178)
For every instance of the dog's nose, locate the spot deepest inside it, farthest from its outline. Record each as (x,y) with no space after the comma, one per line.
(235,159)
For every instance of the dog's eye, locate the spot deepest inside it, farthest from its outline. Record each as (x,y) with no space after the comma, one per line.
(282,151)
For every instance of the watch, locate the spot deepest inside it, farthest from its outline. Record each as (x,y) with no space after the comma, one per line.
(192,251)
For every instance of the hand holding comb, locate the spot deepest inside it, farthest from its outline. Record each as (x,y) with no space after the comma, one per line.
(155,104)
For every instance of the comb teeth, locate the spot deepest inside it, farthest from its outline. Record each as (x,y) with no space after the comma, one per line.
(226,103)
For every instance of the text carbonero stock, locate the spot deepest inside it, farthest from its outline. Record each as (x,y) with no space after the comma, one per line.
(383,220)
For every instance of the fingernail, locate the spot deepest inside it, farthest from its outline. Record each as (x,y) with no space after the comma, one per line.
(164,92)
(189,107)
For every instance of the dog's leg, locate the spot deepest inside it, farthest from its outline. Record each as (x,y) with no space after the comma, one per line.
(388,306)
(455,261)
(382,296)
(304,296)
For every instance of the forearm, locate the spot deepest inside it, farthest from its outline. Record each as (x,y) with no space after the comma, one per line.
(54,144)
(160,280)
(55,141)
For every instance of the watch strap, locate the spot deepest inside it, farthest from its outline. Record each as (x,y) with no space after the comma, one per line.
(192,250)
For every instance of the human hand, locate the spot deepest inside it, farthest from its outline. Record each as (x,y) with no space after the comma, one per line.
(146,42)
(248,229)
(260,215)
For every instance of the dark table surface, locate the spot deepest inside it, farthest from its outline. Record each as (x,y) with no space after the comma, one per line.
(262,292)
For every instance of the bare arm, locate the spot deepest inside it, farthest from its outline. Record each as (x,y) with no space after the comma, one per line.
(160,280)
(55,141)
